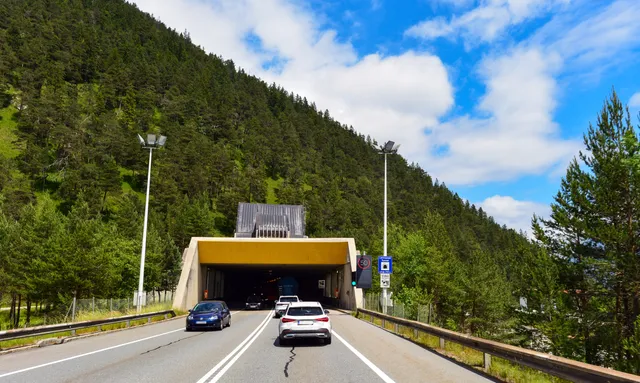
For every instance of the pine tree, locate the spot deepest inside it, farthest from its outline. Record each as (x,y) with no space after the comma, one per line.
(593,235)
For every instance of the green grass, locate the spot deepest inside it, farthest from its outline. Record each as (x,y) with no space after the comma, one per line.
(87,316)
(7,133)
(272,185)
(500,368)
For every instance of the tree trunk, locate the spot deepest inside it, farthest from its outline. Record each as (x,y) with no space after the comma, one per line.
(17,322)
(28,311)
(12,310)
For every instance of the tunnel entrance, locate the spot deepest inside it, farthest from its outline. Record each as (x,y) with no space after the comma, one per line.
(235,283)
(269,256)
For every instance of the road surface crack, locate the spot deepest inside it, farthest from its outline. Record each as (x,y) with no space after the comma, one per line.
(286,366)
(170,343)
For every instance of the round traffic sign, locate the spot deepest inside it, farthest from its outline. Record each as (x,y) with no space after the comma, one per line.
(364,263)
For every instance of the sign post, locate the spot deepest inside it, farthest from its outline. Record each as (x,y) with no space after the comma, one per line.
(321,284)
(385,268)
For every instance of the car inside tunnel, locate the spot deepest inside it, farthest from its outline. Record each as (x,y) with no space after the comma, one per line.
(235,283)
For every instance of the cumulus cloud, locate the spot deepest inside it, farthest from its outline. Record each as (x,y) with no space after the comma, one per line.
(634,101)
(513,213)
(592,36)
(486,22)
(517,136)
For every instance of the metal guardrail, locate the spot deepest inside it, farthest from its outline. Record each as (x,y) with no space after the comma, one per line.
(554,365)
(62,327)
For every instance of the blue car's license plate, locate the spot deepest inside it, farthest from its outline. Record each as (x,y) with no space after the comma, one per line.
(201,322)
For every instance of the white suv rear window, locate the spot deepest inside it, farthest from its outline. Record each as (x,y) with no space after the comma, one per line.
(305,311)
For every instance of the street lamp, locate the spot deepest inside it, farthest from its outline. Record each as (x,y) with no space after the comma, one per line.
(388,148)
(151,143)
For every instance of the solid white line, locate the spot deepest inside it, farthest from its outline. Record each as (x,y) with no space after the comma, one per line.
(93,352)
(235,358)
(88,353)
(366,361)
(215,368)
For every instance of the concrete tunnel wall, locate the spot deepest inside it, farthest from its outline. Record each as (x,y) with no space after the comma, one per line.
(191,283)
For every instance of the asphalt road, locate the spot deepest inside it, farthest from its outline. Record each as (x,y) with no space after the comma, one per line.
(248,351)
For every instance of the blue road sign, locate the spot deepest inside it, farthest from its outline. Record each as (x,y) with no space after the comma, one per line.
(385,265)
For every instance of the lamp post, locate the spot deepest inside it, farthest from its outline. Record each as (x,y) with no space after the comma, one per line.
(389,147)
(150,144)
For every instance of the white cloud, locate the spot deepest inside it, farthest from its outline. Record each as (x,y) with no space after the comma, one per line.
(486,22)
(634,101)
(513,213)
(517,137)
(593,35)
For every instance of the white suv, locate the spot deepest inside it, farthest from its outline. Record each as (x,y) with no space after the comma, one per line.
(283,302)
(305,320)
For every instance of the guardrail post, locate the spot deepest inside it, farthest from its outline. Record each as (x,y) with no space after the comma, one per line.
(395,328)
(384,324)
(73,332)
(371,317)
(128,323)
(442,343)
(149,320)
(487,361)
(415,333)
(166,316)
(99,328)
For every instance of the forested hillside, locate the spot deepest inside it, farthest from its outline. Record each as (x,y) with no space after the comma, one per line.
(80,78)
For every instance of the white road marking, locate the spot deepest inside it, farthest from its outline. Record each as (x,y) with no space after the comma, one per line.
(249,339)
(366,361)
(88,353)
(228,366)
(93,352)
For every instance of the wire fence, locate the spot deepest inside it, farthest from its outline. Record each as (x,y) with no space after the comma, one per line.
(81,309)
(420,313)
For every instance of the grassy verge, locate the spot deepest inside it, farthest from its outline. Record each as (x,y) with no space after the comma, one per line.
(88,316)
(500,368)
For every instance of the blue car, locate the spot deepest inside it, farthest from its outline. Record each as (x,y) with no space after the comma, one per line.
(209,314)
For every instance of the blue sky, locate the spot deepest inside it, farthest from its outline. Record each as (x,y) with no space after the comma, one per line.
(489,96)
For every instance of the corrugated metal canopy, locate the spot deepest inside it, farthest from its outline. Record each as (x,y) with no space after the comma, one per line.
(252,216)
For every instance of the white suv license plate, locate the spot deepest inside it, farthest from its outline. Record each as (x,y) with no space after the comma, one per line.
(305,322)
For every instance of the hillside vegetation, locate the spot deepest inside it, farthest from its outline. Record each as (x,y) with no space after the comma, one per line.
(80,78)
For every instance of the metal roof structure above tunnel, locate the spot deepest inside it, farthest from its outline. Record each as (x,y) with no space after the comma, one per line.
(259,220)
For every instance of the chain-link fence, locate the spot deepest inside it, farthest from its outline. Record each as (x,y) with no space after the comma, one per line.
(376,302)
(80,309)
(93,305)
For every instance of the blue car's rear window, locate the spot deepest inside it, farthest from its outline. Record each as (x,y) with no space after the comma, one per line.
(204,307)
